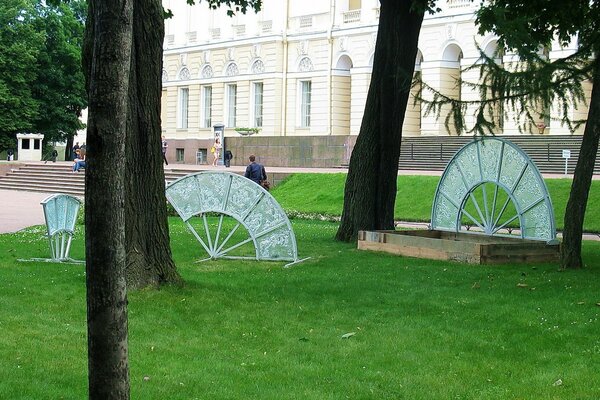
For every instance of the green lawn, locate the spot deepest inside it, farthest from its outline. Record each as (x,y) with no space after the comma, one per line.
(324,194)
(254,330)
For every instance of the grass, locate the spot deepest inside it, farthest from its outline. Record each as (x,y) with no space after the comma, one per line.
(253,330)
(324,194)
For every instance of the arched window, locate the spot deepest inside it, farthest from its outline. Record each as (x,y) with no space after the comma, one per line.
(305,65)
(258,67)
(184,74)
(207,72)
(232,69)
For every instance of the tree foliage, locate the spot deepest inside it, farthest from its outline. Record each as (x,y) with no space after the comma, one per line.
(20,46)
(41,80)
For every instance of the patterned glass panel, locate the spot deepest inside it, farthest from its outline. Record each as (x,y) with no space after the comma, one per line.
(51,217)
(71,214)
(445,214)
(489,152)
(453,185)
(277,244)
(183,195)
(537,223)
(468,161)
(242,196)
(512,165)
(212,191)
(529,190)
(264,216)
(60,212)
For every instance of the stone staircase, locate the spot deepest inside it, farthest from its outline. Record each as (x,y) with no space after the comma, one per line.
(57,178)
(434,153)
(47,178)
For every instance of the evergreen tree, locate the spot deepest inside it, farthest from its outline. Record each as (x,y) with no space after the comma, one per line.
(535,84)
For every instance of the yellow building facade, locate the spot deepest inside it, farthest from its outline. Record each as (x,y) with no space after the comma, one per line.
(301,68)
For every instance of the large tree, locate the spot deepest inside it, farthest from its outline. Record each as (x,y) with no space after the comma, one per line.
(370,191)
(108,57)
(127,241)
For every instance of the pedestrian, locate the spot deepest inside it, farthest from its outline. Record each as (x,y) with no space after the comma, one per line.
(74,151)
(256,173)
(228,157)
(165,146)
(9,155)
(216,150)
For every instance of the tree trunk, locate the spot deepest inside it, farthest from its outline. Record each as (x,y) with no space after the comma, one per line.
(108,43)
(149,260)
(370,191)
(570,249)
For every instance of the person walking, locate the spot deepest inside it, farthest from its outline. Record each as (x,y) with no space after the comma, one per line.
(228,156)
(165,146)
(256,173)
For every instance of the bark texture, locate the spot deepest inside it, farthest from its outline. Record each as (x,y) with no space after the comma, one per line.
(107,60)
(570,249)
(370,191)
(149,260)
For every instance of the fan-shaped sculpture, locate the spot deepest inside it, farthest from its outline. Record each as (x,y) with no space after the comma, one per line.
(230,195)
(491,183)
(492,188)
(60,212)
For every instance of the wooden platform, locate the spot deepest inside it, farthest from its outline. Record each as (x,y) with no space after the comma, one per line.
(464,247)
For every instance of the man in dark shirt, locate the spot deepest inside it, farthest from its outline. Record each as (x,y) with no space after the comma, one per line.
(255,171)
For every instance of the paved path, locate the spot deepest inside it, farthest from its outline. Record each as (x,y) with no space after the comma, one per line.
(19,209)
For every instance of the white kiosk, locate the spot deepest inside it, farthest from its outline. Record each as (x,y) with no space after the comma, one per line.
(30,146)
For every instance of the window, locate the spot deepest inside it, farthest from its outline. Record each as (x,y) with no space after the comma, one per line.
(184,94)
(231,105)
(179,154)
(25,144)
(36,144)
(257,89)
(207,106)
(305,94)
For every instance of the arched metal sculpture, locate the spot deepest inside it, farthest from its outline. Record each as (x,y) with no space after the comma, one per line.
(492,184)
(227,194)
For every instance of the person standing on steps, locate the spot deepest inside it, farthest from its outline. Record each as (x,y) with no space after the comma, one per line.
(165,146)
(74,151)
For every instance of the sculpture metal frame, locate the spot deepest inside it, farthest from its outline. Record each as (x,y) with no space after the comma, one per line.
(251,206)
(501,163)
